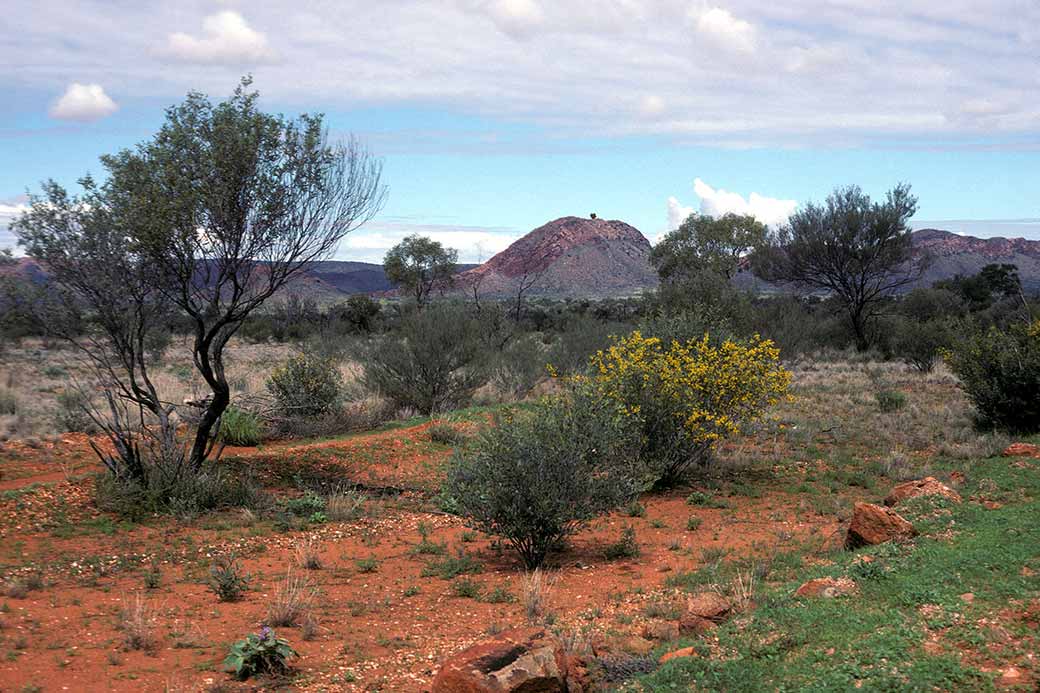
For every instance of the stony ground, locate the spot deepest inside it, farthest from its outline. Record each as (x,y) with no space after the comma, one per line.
(401,585)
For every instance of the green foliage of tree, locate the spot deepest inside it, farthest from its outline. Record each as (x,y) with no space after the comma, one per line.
(851,247)
(417,264)
(206,220)
(706,244)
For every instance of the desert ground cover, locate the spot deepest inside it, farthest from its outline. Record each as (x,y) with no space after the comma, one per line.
(353,560)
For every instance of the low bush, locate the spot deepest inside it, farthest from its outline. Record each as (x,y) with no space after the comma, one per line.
(8,402)
(227,579)
(624,547)
(72,412)
(519,368)
(889,400)
(305,387)
(259,653)
(444,433)
(184,494)
(919,344)
(433,362)
(536,477)
(999,370)
(241,427)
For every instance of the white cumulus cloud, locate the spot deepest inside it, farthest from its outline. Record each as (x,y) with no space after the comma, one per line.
(715,202)
(83,102)
(722,28)
(226,38)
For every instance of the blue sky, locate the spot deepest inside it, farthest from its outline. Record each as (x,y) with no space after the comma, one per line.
(494,116)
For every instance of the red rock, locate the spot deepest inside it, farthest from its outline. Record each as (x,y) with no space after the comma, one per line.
(872,524)
(691,624)
(929,486)
(967,597)
(521,659)
(661,630)
(1022,450)
(677,654)
(708,605)
(827,588)
(621,645)
(957,477)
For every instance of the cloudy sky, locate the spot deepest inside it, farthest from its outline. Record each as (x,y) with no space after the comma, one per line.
(494,116)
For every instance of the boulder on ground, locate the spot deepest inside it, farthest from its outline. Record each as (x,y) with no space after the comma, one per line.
(521,659)
(661,630)
(691,624)
(873,524)
(827,588)
(928,486)
(677,654)
(1022,450)
(711,606)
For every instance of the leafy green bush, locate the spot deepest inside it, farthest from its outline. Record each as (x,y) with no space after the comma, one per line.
(184,494)
(306,387)
(433,362)
(919,343)
(259,653)
(538,476)
(519,368)
(1000,372)
(241,427)
(625,547)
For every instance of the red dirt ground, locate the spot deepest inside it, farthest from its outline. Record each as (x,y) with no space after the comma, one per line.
(374,632)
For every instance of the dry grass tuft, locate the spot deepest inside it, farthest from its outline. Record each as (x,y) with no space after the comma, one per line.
(535,594)
(291,602)
(137,621)
(308,554)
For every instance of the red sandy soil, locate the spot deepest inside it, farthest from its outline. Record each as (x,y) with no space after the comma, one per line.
(371,636)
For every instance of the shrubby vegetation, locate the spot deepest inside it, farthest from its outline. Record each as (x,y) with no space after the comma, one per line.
(538,476)
(686,396)
(1000,372)
(305,387)
(432,363)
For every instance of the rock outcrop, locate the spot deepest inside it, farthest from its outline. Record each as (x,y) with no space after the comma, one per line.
(873,524)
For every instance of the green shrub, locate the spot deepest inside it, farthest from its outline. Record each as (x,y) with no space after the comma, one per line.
(259,653)
(1000,372)
(452,566)
(72,415)
(538,476)
(919,343)
(519,368)
(227,580)
(889,401)
(184,494)
(306,387)
(433,362)
(240,427)
(625,547)
(444,433)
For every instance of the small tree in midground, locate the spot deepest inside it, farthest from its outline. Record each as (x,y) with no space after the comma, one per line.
(858,250)
(417,264)
(207,219)
(538,476)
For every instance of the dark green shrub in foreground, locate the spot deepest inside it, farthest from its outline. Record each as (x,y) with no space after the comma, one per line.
(433,362)
(538,476)
(919,343)
(1000,372)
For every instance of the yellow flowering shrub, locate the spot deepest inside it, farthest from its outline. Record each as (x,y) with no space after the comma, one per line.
(687,396)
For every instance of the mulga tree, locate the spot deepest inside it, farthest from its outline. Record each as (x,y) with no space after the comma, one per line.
(417,264)
(854,248)
(208,219)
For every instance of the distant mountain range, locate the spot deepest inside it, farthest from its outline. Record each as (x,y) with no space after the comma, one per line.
(587,257)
